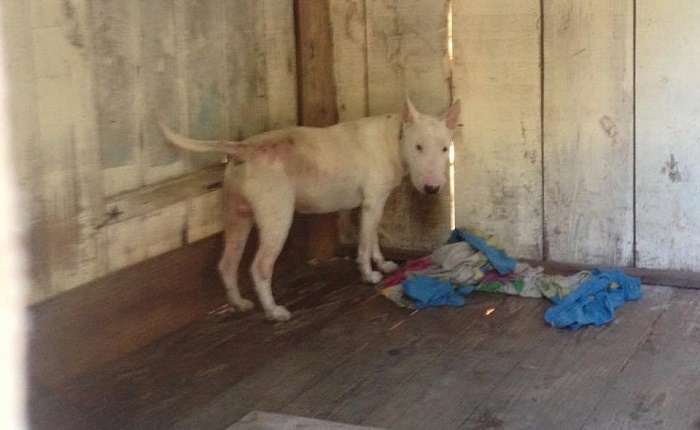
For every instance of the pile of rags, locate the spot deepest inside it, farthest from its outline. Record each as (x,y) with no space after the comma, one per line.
(469,263)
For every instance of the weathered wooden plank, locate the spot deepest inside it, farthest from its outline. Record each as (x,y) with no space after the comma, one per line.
(21,101)
(317,100)
(588,150)
(280,59)
(115,315)
(668,101)
(246,88)
(557,381)
(658,386)
(201,43)
(148,199)
(317,107)
(358,390)
(114,28)
(125,243)
(291,375)
(136,239)
(407,54)
(159,74)
(349,25)
(68,171)
(14,325)
(165,230)
(451,385)
(89,169)
(53,88)
(205,216)
(496,74)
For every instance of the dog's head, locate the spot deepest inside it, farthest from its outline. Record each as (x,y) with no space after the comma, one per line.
(425,146)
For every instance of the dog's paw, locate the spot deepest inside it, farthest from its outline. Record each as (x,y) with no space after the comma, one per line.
(243,305)
(387,266)
(372,277)
(278,313)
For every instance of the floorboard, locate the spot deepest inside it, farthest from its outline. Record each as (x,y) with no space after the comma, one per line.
(350,356)
(659,386)
(557,383)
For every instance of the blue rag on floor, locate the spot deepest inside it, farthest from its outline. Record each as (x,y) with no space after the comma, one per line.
(595,301)
(428,291)
(498,258)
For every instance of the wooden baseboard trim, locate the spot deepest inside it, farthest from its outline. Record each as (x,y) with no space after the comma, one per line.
(668,278)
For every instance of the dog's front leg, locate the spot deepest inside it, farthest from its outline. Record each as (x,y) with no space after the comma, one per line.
(372,210)
(384,266)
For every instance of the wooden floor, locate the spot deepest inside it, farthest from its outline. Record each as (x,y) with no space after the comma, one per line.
(353,357)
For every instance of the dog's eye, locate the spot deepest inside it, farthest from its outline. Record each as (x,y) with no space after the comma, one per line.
(419,147)
(444,149)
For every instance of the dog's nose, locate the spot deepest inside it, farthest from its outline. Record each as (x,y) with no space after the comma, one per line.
(430,189)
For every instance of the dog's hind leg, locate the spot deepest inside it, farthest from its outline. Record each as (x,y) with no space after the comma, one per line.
(274,219)
(238,222)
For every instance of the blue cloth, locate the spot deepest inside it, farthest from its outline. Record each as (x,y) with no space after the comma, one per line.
(498,258)
(428,292)
(594,301)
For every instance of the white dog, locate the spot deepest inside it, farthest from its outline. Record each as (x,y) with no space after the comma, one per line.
(321,170)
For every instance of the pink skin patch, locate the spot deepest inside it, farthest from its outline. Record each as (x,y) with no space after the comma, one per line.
(243,207)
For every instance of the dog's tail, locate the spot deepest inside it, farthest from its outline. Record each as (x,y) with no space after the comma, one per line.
(225,146)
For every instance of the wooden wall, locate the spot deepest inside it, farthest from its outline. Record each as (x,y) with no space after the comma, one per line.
(579,128)
(88,79)
(496,73)
(667,134)
(577,142)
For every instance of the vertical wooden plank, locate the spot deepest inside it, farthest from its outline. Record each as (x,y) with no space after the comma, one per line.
(159,84)
(588,150)
(69,172)
(115,32)
(22,105)
(317,103)
(668,156)
(407,53)
(407,44)
(315,64)
(89,169)
(496,74)
(281,63)
(246,68)
(202,45)
(13,329)
(349,28)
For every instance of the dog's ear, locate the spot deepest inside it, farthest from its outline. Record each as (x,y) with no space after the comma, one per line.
(451,117)
(410,114)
